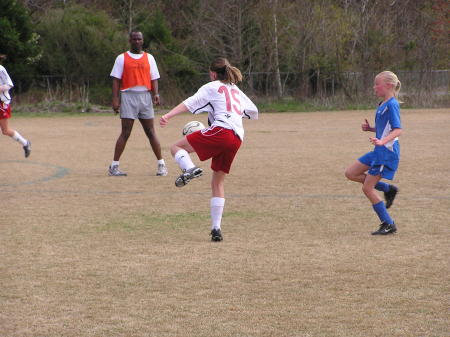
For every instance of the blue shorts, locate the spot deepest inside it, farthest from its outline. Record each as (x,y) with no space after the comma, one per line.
(376,170)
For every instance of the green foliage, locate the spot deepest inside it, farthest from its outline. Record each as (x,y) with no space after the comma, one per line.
(18,41)
(409,59)
(158,38)
(410,46)
(180,65)
(100,94)
(79,44)
(286,106)
(314,54)
(322,62)
(155,29)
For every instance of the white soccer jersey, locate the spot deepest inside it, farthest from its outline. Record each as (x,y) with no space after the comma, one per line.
(5,80)
(226,105)
(117,70)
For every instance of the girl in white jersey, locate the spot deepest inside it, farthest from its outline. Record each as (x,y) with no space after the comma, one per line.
(226,105)
(5,110)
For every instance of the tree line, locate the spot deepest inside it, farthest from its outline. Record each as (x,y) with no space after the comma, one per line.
(300,48)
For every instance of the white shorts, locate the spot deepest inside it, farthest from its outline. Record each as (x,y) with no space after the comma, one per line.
(136,105)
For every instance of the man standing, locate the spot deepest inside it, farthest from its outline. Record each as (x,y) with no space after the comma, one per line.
(135,90)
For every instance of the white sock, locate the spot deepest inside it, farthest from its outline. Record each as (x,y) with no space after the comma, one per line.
(217,205)
(114,163)
(161,161)
(183,160)
(17,137)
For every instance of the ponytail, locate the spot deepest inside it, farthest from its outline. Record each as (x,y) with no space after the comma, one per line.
(234,74)
(225,71)
(397,88)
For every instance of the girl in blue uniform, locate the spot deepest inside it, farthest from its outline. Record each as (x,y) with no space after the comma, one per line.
(383,161)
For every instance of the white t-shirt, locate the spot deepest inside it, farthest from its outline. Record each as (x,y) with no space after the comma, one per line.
(117,69)
(226,105)
(5,80)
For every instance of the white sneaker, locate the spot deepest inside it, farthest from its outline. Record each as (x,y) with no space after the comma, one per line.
(114,171)
(162,170)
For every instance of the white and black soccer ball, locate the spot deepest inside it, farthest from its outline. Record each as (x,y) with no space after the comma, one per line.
(192,126)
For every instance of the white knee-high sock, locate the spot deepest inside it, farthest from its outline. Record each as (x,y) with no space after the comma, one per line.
(18,138)
(217,205)
(183,159)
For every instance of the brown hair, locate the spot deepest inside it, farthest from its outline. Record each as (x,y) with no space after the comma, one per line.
(225,71)
(2,58)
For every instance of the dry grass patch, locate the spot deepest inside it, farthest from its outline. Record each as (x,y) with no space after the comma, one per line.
(84,254)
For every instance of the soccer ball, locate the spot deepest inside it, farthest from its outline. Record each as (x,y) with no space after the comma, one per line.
(192,127)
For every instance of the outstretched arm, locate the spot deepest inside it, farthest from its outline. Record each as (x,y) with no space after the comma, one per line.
(180,108)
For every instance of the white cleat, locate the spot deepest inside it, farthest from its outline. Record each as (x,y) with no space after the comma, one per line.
(114,171)
(162,170)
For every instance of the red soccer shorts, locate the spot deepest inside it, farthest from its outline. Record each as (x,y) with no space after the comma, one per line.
(217,143)
(5,111)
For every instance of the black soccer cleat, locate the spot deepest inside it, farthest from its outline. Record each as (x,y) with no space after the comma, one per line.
(385,229)
(216,235)
(187,176)
(389,196)
(27,149)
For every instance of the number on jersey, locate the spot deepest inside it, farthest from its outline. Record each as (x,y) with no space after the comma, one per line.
(232,101)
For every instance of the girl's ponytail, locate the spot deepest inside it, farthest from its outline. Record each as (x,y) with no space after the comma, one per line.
(234,74)
(397,88)
(225,71)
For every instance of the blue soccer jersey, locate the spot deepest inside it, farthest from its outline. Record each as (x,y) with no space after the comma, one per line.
(387,118)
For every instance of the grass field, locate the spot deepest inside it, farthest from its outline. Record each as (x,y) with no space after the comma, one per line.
(84,254)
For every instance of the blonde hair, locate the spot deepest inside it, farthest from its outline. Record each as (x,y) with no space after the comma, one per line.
(225,71)
(391,78)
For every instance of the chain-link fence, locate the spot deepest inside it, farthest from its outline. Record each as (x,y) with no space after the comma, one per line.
(418,86)
(350,84)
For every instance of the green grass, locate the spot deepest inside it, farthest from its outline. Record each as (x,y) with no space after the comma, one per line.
(61,109)
(311,106)
(285,104)
(58,109)
(286,107)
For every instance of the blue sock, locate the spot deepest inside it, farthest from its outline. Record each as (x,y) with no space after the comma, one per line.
(382,186)
(382,213)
